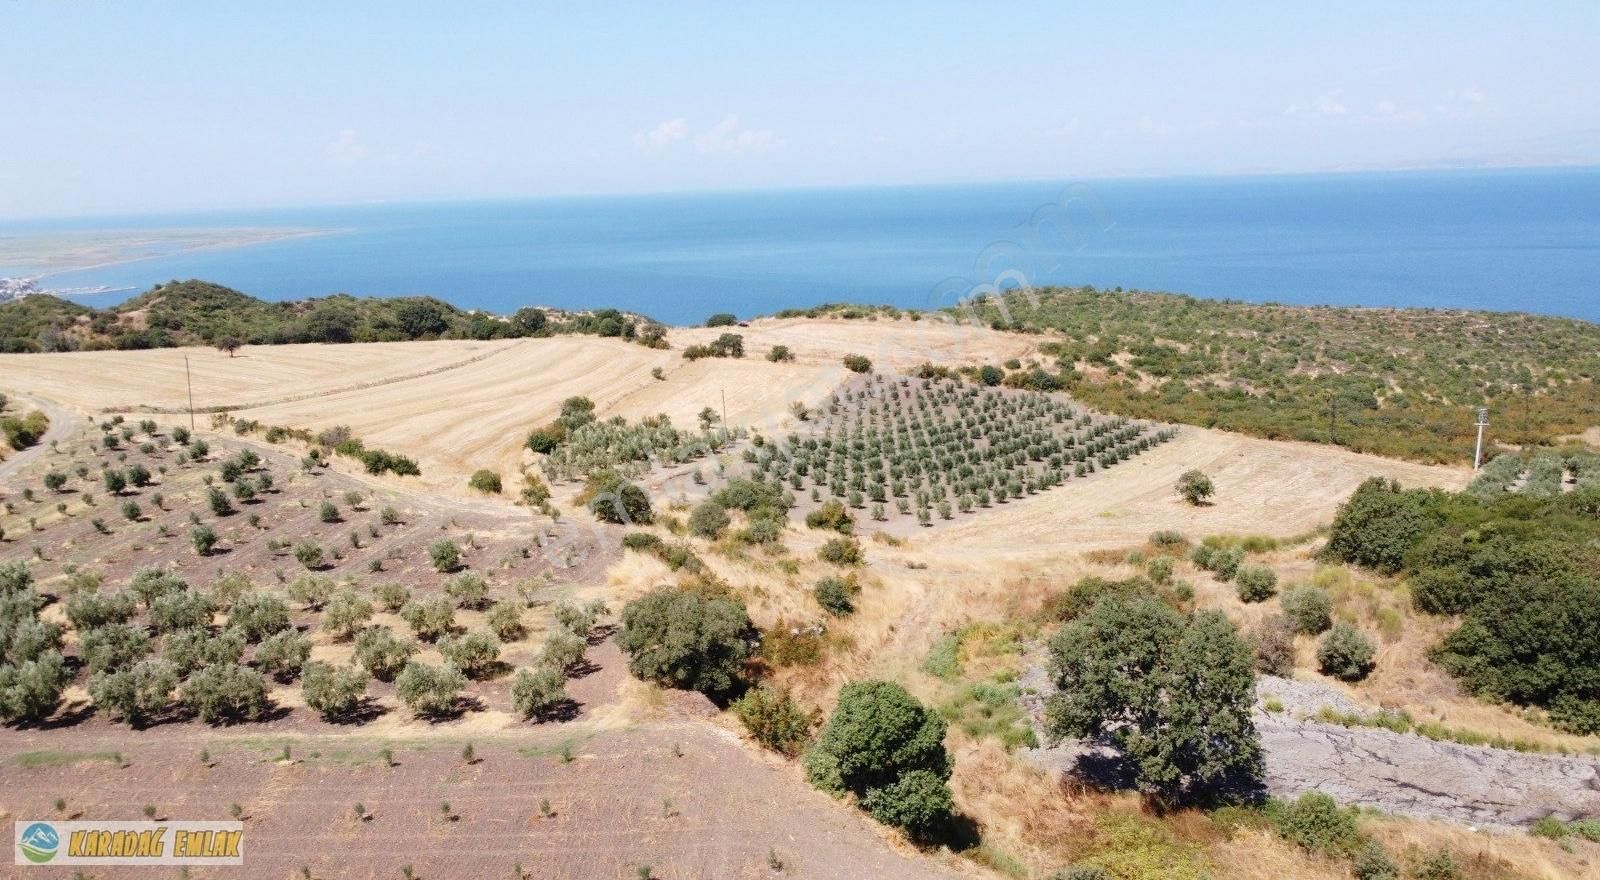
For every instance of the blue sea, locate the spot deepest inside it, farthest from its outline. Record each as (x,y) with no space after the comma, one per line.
(1524,240)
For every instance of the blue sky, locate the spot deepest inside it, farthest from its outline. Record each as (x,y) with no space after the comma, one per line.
(157,106)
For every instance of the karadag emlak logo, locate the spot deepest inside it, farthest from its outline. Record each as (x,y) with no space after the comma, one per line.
(80,842)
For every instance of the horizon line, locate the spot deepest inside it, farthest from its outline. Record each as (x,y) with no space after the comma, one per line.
(800,188)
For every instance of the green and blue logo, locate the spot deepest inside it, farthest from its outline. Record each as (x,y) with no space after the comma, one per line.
(39,842)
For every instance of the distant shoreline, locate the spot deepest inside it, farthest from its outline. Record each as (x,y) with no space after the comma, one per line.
(47,255)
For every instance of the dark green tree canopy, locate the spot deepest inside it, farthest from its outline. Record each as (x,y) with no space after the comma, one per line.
(683,639)
(1173,693)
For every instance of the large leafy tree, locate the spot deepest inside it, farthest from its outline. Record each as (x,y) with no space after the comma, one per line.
(687,640)
(1173,693)
(1380,524)
(887,749)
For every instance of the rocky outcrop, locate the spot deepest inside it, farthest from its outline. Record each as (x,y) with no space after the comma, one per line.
(1399,773)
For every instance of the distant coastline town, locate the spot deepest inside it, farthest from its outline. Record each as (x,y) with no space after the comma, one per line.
(19,288)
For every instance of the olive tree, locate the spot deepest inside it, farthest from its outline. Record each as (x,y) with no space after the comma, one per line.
(381,653)
(538,691)
(346,613)
(259,615)
(430,690)
(224,691)
(1195,487)
(284,654)
(476,653)
(136,693)
(334,691)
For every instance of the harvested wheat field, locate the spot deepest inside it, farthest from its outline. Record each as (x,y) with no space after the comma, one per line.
(1264,487)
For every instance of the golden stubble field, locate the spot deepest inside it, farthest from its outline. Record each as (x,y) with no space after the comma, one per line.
(460,405)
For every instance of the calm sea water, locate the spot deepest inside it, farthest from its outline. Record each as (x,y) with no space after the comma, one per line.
(1508,240)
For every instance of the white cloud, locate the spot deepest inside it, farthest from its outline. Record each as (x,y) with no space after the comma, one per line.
(1468,95)
(730,138)
(1385,107)
(347,148)
(1327,105)
(664,135)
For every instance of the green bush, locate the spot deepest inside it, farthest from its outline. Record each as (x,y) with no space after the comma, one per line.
(504,619)
(613,499)
(780,354)
(311,591)
(774,719)
(430,691)
(640,541)
(1317,823)
(1309,608)
(842,551)
(836,595)
(1345,653)
(919,803)
(203,539)
(708,519)
(856,363)
(392,596)
(686,640)
(224,691)
(1380,524)
(335,692)
(1372,863)
(282,654)
(563,650)
(1439,866)
(308,554)
(833,516)
(888,749)
(722,319)
(445,555)
(381,654)
(1255,583)
(539,691)
(485,481)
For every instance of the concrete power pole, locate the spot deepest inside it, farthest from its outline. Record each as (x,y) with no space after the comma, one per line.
(188,380)
(1483,422)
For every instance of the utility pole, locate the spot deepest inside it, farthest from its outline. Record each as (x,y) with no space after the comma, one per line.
(1483,422)
(724,406)
(1333,416)
(189,380)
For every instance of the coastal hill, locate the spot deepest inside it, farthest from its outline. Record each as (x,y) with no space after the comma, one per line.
(1397,382)
(200,313)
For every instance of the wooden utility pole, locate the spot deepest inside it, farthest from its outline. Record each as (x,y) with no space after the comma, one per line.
(1333,417)
(189,380)
(724,406)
